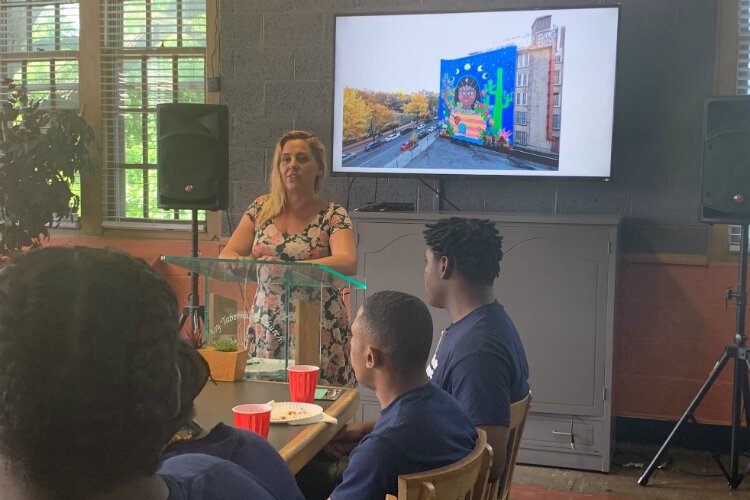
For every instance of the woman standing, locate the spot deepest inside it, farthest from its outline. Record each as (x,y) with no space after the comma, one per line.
(292,223)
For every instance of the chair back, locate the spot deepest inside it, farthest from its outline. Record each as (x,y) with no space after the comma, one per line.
(518,413)
(462,480)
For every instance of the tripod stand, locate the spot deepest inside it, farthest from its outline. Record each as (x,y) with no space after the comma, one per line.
(194,311)
(740,388)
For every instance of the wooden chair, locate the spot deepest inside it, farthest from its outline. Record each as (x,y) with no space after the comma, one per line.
(463,480)
(518,412)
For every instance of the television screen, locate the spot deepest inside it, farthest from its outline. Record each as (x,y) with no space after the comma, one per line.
(523,92)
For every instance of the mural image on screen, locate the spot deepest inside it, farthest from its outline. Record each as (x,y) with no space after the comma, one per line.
(506,101)
(487,101)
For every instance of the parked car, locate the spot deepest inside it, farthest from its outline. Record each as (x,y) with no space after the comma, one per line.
(373,145)
(391,137)
(348,156)
(420,126)
(406,130)
(408,144)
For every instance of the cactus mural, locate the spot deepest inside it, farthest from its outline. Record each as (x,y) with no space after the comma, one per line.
(474,107)
(502,101)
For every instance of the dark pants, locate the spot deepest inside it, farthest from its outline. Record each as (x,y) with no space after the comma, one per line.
(321,475)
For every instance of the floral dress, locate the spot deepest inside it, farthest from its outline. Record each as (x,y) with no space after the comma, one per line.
(312,242)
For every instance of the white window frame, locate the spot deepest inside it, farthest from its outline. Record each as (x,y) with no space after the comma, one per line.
(113,159)
(35,54)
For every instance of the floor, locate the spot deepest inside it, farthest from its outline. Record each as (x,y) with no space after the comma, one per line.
(682,475)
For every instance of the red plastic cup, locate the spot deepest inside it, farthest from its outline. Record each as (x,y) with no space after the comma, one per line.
(253,417)
(303,379)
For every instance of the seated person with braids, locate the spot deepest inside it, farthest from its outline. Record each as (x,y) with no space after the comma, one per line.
(90,384)
(479,358)
(244,448)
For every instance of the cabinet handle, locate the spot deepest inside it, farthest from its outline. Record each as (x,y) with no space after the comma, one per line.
(572,438)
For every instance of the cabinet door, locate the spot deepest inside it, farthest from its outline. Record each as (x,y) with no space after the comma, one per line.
(553,283)
(391,257)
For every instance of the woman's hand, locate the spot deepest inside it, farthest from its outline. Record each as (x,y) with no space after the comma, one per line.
(265,257)
(229,254)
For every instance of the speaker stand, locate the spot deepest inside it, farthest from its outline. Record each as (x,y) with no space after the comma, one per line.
(194,311)
(740,389)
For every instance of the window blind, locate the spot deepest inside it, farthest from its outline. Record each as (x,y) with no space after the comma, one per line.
(743,85)
(153,51)
(743,55)
(39,49)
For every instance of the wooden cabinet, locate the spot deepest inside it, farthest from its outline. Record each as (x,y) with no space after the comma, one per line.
(557,282)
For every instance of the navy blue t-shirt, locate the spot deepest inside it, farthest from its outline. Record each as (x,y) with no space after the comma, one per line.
(480,361)
(194,476)
(420,430)
(249,451)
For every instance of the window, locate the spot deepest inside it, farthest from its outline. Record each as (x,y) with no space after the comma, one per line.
(522,118)
(521,138)
(558,79)
(520,98)
(558,56)
(153,51)
(39,49)
(39,44)
(523,60)
(556,100)
(522,79)
(555,122)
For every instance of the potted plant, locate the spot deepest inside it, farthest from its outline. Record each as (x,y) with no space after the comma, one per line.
(41,153)
(226,362)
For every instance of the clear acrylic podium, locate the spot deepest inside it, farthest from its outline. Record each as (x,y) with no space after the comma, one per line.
(229,288)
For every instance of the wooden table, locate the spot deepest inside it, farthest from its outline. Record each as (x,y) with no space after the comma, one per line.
(296,444)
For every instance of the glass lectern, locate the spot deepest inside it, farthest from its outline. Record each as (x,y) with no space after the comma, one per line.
(297,289)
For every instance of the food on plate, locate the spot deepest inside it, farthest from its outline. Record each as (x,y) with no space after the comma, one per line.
(289,414)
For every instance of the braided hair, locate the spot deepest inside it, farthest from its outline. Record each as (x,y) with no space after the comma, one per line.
(87,369)
(473,246)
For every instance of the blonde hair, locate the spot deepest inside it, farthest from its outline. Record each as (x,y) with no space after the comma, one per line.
(276,199)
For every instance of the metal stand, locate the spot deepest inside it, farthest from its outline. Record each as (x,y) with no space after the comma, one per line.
(741,388)
(194,311)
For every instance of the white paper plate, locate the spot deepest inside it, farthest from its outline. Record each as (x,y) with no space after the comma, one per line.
(288,412)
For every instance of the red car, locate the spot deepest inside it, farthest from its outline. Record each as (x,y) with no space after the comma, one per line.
(408,144)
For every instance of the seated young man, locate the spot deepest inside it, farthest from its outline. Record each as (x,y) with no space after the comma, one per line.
(90,384)
(479,358)
(421,427)
(244,448)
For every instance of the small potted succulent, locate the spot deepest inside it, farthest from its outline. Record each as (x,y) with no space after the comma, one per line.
(226,361)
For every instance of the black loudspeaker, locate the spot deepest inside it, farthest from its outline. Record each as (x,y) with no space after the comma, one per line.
(192,160)
(725,180)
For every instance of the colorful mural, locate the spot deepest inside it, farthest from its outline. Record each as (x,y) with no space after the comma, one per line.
(476,97)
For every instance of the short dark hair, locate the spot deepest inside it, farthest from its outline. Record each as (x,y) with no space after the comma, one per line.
(474,246)
(87,368)
(400,325)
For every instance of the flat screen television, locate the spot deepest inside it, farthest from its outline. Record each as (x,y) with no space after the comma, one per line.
(515,92)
